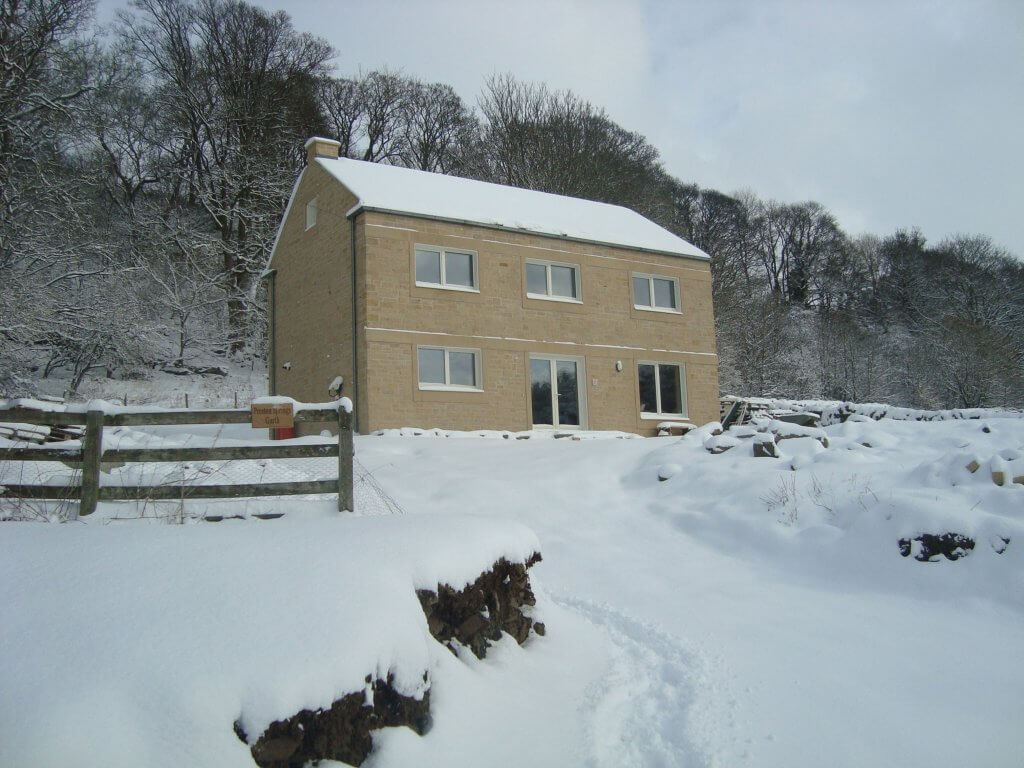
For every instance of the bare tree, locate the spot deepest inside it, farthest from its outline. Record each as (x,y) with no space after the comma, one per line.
(343,111)
(385,98)
(41,78)
(756,345)
(796,244)
(557,142)
(47,243)
(239,83)
(437,128)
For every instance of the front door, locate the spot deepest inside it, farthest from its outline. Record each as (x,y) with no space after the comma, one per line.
(556,396)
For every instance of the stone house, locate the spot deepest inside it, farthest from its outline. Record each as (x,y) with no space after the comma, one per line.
(435,301)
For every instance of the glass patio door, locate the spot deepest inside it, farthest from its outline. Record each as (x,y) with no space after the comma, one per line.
(556,398)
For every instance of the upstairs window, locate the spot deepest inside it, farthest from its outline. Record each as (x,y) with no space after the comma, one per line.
(449,368)
(311,214)
(660,294)
(662,390)
(446,268)
(552,280)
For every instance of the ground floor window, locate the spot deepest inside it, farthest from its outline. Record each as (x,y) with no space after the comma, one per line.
(449,368)
(662,389)
(555,392)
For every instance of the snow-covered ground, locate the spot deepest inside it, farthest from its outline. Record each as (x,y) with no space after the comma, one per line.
(745,611)
(239,383)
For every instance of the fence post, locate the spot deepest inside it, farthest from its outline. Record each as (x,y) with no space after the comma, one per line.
(346,498)
(92,450)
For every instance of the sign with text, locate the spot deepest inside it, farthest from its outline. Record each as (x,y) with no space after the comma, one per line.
(272,415)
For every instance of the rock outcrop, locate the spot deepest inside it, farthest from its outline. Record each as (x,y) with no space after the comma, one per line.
(926,547)
(475,616)
(341,732)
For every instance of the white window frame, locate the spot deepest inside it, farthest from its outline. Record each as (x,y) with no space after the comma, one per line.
(581,391)
(549,296)
(444,283)
(446,387)
(650,286)
(660,415)
(311,213)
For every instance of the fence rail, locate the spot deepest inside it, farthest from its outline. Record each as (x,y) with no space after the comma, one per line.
(91,456)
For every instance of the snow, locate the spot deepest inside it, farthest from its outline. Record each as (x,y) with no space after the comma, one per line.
(28,402)
(701,609)
(491,434)
(243,381)
(130,645)
(297,405)
(835,411)
(419,193)
(738,633)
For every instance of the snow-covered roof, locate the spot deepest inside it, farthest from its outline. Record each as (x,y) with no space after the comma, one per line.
(433,195)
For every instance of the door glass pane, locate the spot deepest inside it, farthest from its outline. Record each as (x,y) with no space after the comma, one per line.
(568,393)
(537,279)
(540,391)
(641,291)
(462,368)
(668,380)
(431,366)
(664,294)
(648,401)
(563,281)
(458,269)
(428,267)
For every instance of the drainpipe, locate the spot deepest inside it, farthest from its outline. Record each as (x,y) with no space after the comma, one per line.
(270,276)
(355,327)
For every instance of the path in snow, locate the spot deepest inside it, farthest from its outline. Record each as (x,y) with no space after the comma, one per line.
(641,711)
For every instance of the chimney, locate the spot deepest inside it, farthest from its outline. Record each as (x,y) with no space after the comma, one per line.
(318,147)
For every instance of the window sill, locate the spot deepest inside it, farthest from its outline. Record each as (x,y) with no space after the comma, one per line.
(562,299)
(462,288)
(448,388)
(663,310)
(664,416)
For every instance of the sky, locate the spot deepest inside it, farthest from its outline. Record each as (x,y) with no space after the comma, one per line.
(892,114)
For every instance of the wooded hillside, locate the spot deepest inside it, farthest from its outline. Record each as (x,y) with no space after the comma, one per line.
(143,173)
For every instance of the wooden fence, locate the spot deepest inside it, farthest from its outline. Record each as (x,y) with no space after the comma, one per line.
(91,454)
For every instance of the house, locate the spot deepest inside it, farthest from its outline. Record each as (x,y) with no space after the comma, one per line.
(435,301)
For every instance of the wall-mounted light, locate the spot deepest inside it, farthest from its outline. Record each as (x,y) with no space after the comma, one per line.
(618,366)
(287,366)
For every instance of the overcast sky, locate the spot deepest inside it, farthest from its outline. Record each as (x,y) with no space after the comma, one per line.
(891,114)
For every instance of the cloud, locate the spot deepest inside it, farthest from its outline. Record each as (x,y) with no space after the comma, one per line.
(462,42)
(892,114)
(898,115)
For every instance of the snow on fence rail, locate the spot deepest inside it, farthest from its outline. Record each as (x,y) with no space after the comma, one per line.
(90,454)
